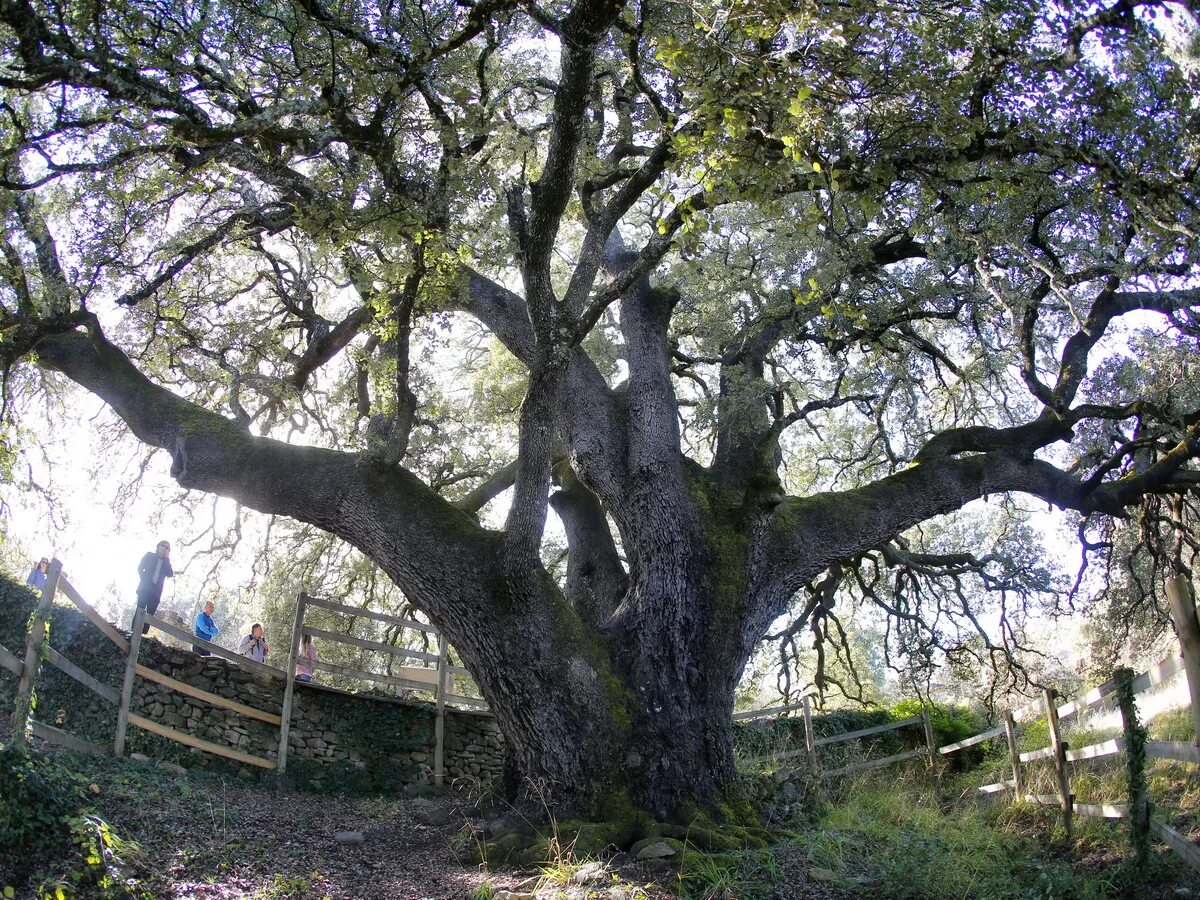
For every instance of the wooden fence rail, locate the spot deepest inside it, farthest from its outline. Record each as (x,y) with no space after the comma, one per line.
(37,649)
(11,661)
(1058,751)
(864,732)
(972,741)
(370,614)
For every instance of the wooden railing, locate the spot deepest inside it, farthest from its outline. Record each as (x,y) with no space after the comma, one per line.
(415,678)
(1062,755)
(812,743)
(133,671)
(37,650)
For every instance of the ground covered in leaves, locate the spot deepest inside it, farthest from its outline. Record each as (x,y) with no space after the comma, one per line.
(143,830)
(176,833)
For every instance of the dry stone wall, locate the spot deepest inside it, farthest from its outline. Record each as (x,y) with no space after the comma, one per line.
(474,748)
(337,739)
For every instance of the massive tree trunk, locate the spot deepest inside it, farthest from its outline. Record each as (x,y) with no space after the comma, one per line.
(616,686)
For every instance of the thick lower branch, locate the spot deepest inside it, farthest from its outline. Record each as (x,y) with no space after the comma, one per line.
(809,534)
(384,510)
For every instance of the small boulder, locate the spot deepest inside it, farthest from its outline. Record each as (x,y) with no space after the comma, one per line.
(652,848)
(139,757)
(587,873)
(433,814)
(173,767)
(349,838)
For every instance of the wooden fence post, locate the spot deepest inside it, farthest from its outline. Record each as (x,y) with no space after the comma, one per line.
(1183,611)
(35,636)
(1135,766)
(931,747)
(1060,760)
(809,738)
(1010,731)
(439,725)
(135,644)
(289,685)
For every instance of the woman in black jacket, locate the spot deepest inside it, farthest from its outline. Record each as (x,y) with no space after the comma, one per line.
(154,569)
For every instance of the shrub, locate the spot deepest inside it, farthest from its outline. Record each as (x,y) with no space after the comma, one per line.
(950,723)
(36,798)
(46,831)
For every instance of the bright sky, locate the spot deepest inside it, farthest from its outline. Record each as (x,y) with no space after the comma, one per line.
(99,546)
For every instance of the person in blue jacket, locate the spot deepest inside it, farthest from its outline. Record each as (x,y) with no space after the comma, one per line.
(205,628)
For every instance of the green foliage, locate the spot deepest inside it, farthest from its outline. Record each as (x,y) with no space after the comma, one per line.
(950,722)
(47,832)
(737,875)
(1034,735)
(37,797)
(292,887)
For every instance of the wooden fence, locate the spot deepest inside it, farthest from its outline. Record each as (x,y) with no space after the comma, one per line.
(133,671)
(812,743)
(1123,683)
(436,679)
(39,650)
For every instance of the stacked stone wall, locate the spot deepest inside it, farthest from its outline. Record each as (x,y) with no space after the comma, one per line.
(337,739)
(474,748)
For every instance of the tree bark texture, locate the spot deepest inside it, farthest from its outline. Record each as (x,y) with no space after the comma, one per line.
(618,684)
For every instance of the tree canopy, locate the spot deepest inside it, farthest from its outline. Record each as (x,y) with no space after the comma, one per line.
(758,288)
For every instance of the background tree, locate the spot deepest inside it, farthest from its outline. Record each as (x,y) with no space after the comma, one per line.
(783,281)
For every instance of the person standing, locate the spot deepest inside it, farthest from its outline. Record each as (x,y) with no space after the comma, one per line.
(37,577)
(306,658)
(205,628)
(254,645)
(154,569)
